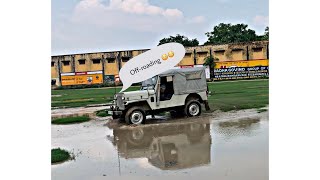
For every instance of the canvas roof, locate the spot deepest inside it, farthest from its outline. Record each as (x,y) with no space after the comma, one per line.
(182,70)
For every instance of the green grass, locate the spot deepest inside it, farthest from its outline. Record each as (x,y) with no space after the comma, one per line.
(59,155)
(83,97)
(237,95)
(103,113)
(226,96)
(71,120)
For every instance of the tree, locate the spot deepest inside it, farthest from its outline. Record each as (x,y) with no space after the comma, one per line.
(266,33)
(210,61)
(228,33)
(264,37)
(180,39)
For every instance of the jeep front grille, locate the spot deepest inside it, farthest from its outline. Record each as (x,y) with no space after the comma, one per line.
(119,101)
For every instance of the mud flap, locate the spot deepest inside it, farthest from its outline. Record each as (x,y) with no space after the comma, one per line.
(206,105)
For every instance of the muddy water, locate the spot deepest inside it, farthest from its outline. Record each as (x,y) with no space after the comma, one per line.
(218,146)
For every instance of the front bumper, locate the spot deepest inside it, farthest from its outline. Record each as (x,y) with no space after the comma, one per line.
(117,113)
(114,110)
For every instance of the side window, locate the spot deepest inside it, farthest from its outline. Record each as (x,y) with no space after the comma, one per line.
(166,88)
(193,76)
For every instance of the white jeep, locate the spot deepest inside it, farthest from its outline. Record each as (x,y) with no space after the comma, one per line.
(180,91)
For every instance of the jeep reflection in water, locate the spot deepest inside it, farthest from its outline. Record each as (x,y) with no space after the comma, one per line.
(180,91)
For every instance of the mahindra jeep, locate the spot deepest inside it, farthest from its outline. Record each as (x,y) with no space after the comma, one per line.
(179,91)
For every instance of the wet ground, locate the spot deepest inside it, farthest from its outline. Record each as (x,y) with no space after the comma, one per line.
(231,145)
(78,111)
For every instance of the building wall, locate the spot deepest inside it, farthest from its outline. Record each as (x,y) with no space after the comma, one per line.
(242,54)
(188,59)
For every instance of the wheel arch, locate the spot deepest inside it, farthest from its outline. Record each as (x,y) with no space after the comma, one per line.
(141,104)
(193,96)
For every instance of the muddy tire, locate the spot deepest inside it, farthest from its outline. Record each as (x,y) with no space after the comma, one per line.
(135,115)
(177,113)
(192,108)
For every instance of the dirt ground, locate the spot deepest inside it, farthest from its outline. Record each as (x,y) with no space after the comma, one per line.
(78,111)
(219,145)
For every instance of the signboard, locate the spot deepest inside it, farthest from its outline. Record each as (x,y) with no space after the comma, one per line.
(241,73)
(78,78)
(245,63)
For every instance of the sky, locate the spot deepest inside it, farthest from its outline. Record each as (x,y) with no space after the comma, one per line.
(82,26)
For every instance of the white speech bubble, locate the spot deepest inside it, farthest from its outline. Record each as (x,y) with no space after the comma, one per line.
(151,63)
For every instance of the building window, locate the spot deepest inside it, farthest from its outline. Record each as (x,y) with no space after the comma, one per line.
(257,53)
(187,55)
(111,60)
(219,52)
(237,50)
(237,54)
(125,59)
(82,61)
(202,54)
(52,64)
(257,49)
(66,63)
(96,61)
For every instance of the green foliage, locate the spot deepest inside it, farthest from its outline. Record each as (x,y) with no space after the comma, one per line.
(103,113)
(264,37)
(266,33)
(71,120)
(228,33)
(180,39)
(210,61)
(59,155)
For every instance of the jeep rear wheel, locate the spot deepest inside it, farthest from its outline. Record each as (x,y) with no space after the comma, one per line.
(135,115)
(193,108)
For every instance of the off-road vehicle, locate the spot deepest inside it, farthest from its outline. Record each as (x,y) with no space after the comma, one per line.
(180,91)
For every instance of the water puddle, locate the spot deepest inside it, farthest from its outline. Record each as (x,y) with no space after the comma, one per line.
(221,146)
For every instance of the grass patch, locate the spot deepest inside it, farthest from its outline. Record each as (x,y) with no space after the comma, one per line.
(237,95)
(82,97)
(102,113)
(59,155)
(226,96)
(71,120)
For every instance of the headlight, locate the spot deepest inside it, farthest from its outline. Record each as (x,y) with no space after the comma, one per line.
(123,98)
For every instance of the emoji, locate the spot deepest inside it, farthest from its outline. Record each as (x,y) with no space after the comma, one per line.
(164,57)
(171,54)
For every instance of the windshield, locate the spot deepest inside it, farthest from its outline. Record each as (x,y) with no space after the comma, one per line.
(149,83)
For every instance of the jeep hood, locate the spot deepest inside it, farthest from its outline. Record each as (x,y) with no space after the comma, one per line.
(136,95)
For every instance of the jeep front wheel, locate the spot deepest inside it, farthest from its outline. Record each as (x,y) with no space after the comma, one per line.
(192,108)
(135,115)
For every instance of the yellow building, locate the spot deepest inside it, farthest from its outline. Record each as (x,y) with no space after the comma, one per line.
(100,67)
